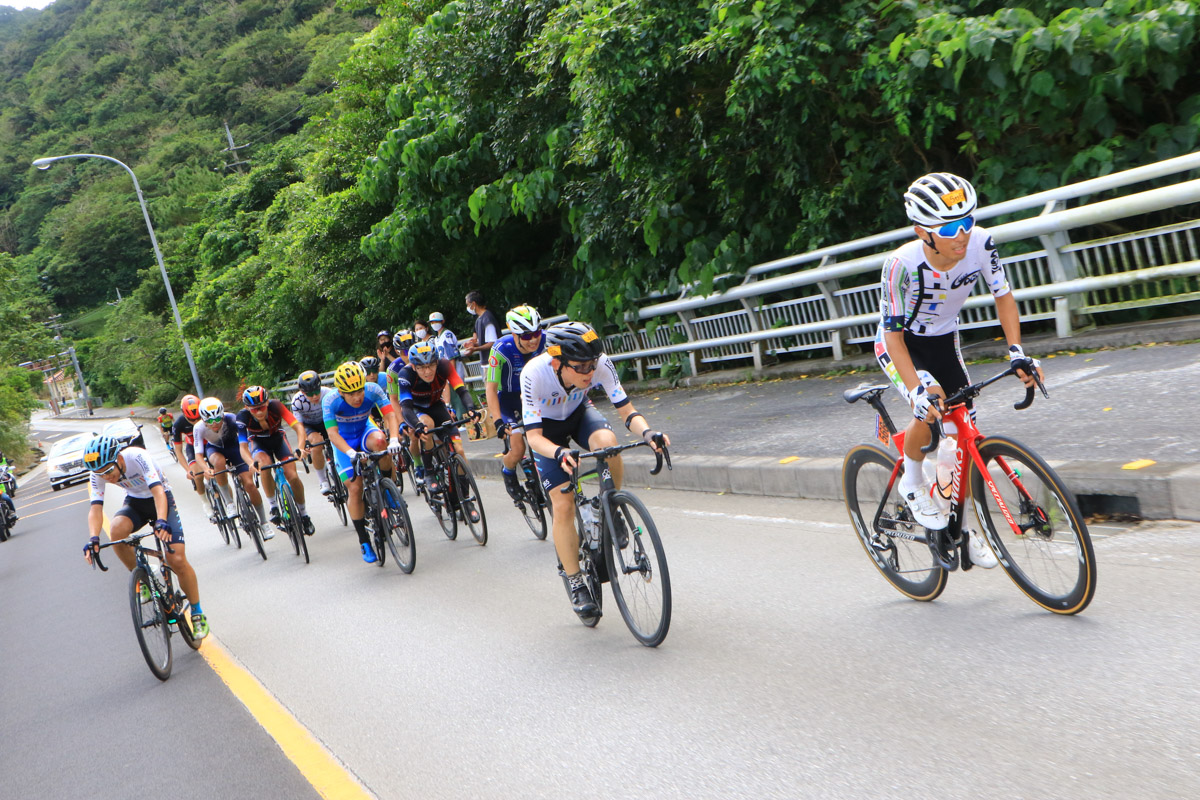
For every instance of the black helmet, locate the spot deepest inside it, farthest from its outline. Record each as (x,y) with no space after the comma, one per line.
(162,411)
(388,334)
(310,382)
(370,364)
(575,341)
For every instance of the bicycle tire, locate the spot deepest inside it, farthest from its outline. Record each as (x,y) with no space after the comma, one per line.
(1052,560)
(406,465)
(184,619)
(637,573)
(440,505)
(905,563)
(218,508)
(532,505)
(396,525)
(467,493)
(4,525)
(231,523)
(150,624)
(590,563)
(290,516)
(249,520)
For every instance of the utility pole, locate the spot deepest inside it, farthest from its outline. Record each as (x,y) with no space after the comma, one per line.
(82,386)
(232,149)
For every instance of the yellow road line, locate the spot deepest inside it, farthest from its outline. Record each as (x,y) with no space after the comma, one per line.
(60,495)
(319,767)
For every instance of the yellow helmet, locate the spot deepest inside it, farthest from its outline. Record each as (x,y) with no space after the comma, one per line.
(350,377)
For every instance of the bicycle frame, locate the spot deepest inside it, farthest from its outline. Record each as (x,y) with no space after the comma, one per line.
(968,436)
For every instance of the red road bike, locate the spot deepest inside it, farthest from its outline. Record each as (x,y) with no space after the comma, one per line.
(1028,516)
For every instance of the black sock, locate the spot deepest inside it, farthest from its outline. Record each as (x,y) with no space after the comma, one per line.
(360,527)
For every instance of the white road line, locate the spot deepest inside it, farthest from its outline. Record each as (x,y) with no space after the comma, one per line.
(689,512)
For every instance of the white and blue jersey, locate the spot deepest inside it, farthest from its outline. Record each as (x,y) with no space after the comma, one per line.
(504,366)
(353,424)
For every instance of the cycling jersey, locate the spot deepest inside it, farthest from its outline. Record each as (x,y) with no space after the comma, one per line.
(277,414)
(505,363)
(411,391)
(918,299)
(181,430)
(165,422)
(140,476)
(543,397)
(308,411)
(228,437)
(351,422)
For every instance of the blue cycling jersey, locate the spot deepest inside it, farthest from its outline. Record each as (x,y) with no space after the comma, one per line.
(351,421)
(504,366)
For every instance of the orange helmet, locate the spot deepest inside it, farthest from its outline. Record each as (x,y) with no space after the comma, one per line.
(190,406)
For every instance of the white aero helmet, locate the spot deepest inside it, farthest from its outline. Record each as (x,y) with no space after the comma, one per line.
(939,197)
(211,408)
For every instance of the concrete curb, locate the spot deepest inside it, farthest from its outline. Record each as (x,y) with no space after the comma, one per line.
(1159,491)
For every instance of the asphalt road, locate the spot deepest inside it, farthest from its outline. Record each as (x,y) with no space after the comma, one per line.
(1106,405)
(81,715)
(792,670)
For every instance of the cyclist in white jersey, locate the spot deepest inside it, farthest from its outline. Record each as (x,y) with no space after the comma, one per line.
(306,404)
(148,501)
(555,409)
(924,285)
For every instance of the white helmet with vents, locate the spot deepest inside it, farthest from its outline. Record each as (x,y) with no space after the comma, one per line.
(939,197)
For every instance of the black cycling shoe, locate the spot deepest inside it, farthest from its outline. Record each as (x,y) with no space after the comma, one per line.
(275,518)
(309,528)
(512,485)
(581,597)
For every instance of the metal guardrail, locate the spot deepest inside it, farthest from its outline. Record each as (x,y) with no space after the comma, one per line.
(837,303)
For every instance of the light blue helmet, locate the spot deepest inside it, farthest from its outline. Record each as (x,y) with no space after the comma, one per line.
(100,452)
(422,355)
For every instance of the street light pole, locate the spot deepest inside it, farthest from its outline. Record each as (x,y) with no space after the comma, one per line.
(44,163)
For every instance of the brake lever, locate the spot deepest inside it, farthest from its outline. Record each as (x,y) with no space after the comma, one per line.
(570,487)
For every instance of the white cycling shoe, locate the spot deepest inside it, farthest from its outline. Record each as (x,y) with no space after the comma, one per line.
(981,555)
(921,505)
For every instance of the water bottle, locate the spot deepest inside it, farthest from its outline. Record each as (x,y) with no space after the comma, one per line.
(947,455)
(590,523)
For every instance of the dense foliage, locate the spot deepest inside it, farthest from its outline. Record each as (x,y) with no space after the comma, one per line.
(577,154)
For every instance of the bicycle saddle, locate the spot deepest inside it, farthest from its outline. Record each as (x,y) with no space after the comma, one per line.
(862,390)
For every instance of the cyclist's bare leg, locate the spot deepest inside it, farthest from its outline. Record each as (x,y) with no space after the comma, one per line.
(516,451)
(178,563)
(251,489)
(317,451)
(218,463)
(606,438)
(566,538)
(293,478)
(119,528)
(354,499)
(918,434)
(265,477)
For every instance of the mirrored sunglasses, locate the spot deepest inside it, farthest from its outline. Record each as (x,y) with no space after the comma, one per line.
(952,229)
(529,337)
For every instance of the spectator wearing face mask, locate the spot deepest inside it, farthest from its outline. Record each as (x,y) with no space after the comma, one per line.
(447,344)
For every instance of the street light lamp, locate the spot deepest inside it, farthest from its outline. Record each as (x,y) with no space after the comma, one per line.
(44,163)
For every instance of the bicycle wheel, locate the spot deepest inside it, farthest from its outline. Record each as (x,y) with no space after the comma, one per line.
(1034,526)
(876,509)
(290,518)
(218,508)
(184,617)
(439,503)
(531,503)
(231,525)
(249,520)
(397,526)
(337,491)
(467,498)
(150,623)
(637,568)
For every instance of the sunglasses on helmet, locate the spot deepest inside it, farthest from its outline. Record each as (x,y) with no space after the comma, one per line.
(952,229)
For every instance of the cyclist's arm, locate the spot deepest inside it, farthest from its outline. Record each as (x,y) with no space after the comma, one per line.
(95,518)
(455,382)
(1010,318)
(492,393)
(390,419)
(539,443)
(336,439)
(160,500)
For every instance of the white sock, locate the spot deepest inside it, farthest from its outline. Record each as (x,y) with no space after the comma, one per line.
(913,476)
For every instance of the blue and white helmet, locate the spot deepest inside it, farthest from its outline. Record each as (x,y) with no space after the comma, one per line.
(422,355)
(100,452)
(939,197)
